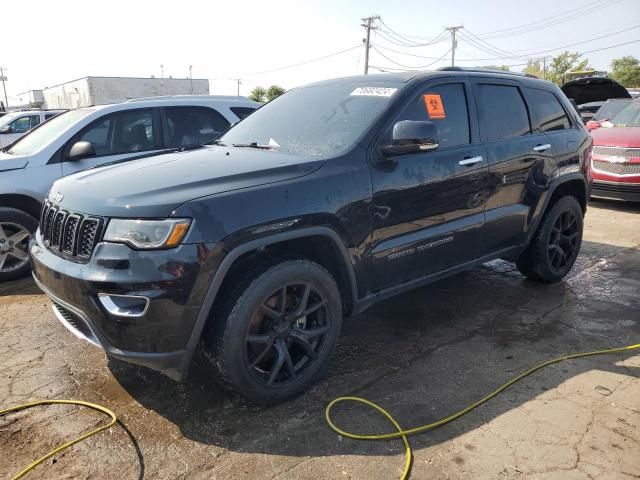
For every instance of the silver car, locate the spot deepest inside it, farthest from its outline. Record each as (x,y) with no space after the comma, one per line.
(90,137)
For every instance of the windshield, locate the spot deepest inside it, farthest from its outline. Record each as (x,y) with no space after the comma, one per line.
(611,108)
(629,116)
(315,120)
(47,132)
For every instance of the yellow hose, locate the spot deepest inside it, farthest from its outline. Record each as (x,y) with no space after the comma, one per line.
(400,433)
(56,450)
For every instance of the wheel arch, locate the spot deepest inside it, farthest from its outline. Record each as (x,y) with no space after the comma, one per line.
(22,202)
(309,242)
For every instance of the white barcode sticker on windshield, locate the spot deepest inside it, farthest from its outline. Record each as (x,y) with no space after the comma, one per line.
(374,91)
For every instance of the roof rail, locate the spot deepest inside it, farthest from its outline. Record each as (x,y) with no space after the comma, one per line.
(484,70)
(187,97)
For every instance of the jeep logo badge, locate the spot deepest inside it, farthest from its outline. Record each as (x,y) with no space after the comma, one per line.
(56,197)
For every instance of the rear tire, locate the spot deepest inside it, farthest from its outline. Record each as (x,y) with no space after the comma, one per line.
(556,244)
(16,229)
(273,336)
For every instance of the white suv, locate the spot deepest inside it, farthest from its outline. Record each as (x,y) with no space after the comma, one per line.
(14,125)
(92,136)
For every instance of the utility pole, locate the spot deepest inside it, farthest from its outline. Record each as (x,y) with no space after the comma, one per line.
(239,81)
(454,44)
(368,25)
(191,78)
(161,71)
(4,79)
(544,68)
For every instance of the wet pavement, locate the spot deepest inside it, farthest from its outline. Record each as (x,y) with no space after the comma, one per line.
(422,355)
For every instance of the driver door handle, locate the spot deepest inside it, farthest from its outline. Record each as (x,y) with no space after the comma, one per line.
(542,148)
(470,161)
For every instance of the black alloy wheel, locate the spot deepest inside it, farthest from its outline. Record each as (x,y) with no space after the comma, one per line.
(286,334)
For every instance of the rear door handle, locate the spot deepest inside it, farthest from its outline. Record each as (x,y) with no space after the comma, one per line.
(470,161)
(542,148)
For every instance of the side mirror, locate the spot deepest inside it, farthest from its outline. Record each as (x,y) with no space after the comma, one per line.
(412,137)
(81,150)
(6,129)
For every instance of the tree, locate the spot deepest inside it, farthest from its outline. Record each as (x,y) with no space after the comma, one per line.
(274,91)
(534,67)
(258,94)
(626,71)
(563,63)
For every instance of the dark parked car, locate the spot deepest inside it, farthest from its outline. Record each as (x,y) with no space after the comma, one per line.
(324,201)
(590,93)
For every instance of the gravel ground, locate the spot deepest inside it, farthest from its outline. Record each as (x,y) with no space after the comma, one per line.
(422,355)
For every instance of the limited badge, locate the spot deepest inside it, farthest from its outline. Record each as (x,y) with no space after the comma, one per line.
(435,108)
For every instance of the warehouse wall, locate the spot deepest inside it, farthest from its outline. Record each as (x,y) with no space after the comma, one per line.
(100,90)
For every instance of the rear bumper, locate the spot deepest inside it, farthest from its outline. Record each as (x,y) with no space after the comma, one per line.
(616,190)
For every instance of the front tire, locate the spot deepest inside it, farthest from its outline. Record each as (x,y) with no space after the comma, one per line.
(556,244)
(275,333)
(16,229)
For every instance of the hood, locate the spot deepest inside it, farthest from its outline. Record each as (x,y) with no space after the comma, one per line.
(12,162)
(594,89)
(617,137)
(157,185)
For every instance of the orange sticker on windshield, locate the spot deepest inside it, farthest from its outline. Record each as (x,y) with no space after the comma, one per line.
(435,108)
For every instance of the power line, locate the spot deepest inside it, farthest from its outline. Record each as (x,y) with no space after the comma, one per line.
(405,53)
(301,63)
(406,42)
(534,54)
(549,21)
(410,67)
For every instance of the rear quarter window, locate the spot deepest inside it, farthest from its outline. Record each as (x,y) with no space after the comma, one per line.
(242,112)
(546,111)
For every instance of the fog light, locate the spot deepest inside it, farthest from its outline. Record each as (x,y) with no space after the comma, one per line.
(124,305)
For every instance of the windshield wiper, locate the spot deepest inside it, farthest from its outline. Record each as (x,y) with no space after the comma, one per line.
(216,142)
(253,145)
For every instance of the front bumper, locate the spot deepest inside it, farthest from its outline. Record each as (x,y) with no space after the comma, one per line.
(174,281)
(616,190)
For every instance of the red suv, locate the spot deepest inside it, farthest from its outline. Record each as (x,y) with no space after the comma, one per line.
(616,156)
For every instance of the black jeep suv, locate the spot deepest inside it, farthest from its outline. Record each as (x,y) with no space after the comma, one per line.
(324,201)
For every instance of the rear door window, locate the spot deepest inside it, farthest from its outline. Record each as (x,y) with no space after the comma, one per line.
(194,125)
(546,111)
(446,106)
(501,111)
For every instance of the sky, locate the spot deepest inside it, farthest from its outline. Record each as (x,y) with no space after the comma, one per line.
(52,42)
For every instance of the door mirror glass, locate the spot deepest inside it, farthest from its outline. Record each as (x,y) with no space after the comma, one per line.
(81,150)
(6,129)
(411,136)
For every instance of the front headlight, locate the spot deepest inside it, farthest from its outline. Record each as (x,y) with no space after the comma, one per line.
(147,233)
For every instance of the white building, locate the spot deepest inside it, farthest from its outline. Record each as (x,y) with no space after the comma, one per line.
(99,90)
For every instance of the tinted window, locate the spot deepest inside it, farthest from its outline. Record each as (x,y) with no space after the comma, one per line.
(546,110)
(242,112)
(502,112)
(194,125)
(321,119)
(47,116)
(446,106)
(122,132)
(611,108)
